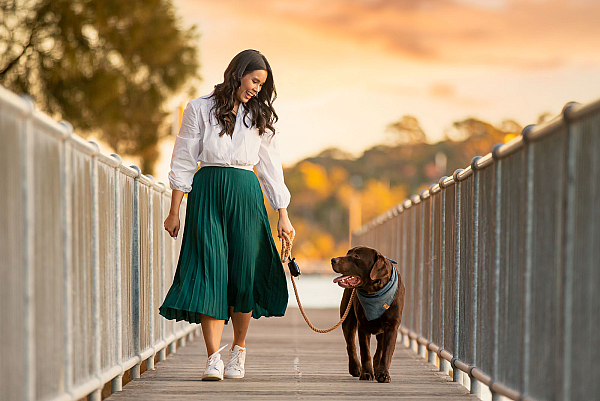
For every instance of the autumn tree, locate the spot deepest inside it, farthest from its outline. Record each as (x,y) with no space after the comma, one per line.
(407,130)
(106,66)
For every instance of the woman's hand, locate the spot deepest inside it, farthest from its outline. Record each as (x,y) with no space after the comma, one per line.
(172,225)
(284,225)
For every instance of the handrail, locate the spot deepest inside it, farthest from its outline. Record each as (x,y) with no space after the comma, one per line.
(85,262)
(500,263)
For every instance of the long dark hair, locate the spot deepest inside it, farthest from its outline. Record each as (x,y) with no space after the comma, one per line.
(261,106)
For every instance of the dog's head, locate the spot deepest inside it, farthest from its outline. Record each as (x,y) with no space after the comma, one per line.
(363,268)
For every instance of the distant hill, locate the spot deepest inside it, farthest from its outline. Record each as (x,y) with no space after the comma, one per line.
(380,178)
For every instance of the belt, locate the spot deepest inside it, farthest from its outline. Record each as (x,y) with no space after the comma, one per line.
(204,164)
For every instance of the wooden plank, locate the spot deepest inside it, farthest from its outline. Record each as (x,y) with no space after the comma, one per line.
(287,360)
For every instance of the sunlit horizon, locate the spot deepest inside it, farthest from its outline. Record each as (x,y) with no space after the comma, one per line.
(345,69)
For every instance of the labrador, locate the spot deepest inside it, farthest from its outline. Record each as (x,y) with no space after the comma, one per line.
(372,274)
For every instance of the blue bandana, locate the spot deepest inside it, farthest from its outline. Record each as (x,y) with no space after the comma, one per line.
(375,304)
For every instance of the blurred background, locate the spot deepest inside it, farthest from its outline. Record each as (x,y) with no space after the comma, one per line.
(377,99)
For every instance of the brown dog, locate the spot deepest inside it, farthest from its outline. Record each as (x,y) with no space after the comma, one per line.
(369,272)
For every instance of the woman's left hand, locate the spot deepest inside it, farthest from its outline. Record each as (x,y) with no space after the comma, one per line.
(284,225)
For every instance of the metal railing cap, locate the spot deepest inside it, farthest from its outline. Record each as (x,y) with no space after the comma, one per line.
(68,128)
(150,178)
(137,170)
(149,181)
(441,181)
(415,199)
(456,174)
(96,148)
(406,204)
(424,194)
(434,189)
(117,158)
(496,151)
(474,161)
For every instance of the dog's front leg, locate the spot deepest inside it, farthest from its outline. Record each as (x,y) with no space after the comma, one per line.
(349,329)
(364,340)
(382,374)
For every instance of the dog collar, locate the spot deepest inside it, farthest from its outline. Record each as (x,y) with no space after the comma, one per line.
(375,304)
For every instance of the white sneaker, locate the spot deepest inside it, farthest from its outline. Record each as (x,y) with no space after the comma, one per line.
(235,367)
(214,366)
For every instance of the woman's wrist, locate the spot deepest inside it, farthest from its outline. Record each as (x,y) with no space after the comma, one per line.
(282,212)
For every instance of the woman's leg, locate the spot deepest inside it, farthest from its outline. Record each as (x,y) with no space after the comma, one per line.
(212,329)
(240,321)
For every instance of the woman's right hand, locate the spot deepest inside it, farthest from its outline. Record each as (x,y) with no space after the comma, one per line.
(172,225)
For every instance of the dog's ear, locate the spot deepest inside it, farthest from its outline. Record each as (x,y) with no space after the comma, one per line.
(381,268)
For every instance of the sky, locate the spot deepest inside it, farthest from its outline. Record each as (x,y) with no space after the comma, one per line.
(345,69)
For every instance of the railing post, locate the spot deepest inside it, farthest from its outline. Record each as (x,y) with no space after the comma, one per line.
(135,250)
(96,395)
(117,382)
(456,373)
(66,224)
(27,194)
(528,258)
(150,360)
(162,354)
(569,244)
(430,354)
(474,383)
(498,184)
(422,349)
(444,364)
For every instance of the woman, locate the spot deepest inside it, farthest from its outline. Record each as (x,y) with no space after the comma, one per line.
(228,264)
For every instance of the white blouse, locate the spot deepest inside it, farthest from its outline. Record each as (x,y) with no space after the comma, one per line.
(199,141)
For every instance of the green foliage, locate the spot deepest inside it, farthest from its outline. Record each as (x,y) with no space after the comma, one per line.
(106,66)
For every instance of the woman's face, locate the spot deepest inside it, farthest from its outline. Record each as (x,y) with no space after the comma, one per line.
(252,83)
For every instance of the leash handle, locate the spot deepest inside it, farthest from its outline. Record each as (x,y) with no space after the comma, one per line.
(286,252)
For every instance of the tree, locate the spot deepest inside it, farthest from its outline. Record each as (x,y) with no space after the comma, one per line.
(106,66)
(407,130)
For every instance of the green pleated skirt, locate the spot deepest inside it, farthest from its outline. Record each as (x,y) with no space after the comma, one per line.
(228,256)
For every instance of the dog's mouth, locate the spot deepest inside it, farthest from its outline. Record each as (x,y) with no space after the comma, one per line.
(347,281)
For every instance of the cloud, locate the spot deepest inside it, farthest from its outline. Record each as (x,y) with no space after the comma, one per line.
(521,34)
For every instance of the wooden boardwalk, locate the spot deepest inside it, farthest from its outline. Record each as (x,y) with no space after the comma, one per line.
(288,361)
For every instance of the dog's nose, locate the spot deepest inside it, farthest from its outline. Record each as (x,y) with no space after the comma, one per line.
(334,261)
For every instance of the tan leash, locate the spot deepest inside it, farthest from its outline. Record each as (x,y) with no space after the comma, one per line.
(286,252)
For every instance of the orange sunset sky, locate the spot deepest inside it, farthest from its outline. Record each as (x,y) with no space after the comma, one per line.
(345,69)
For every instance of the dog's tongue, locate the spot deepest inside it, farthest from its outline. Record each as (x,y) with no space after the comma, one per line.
(338,279)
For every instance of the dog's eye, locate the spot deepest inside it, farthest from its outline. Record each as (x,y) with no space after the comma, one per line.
(356,256)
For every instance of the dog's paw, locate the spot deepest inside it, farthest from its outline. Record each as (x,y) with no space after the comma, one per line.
(383,377)
(366,376)
(354,368)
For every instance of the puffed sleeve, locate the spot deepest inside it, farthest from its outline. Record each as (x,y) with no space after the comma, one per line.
(186,151)
(270,172)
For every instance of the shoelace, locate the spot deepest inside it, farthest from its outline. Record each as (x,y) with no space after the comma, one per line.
(213,358)
(234,361)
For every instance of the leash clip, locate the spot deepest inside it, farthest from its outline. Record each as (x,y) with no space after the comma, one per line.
(294,268)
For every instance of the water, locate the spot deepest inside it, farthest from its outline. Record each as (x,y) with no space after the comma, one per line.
(316,291)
